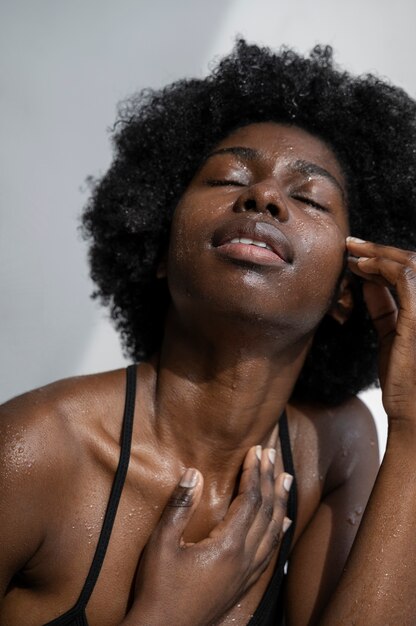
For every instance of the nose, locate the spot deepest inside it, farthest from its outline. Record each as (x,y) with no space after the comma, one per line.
(263,197)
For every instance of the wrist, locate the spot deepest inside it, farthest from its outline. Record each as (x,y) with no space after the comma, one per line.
(401,440)
(402,428)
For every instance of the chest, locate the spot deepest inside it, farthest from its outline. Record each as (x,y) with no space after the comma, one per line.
(63,564)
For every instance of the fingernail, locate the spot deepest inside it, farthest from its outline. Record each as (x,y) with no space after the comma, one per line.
(189,478)
(286,524)
(272,455)
(355,240)
(258,452)
(287,482)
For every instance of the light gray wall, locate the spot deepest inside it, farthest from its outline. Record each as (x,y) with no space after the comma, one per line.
(64,66)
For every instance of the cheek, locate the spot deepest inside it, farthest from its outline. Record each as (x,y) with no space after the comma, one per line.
(184,234)
(322,237)
(322,258)
(188,239)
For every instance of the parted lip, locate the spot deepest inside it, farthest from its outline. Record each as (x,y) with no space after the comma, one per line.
(255,229)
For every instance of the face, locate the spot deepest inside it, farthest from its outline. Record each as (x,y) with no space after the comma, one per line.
(260,231)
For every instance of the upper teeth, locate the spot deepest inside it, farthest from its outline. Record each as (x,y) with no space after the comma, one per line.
(260,244)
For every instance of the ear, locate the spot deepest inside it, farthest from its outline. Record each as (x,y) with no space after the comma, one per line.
(343,303)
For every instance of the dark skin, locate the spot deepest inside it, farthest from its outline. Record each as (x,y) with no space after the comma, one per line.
(240,325)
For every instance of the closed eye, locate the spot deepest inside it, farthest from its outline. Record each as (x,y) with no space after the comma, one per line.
(310,202)
(212,182)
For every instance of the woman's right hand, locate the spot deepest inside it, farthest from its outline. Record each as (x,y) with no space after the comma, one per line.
(183,584)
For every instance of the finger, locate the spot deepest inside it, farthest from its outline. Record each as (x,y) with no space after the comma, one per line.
(180,507)
(362,248)
(398,276)
(272,440)
(251,470)
(277,527)
(243,509)
(373,278)
(382,308)
(266,509)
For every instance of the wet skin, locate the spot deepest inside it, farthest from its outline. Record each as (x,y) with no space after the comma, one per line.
(240,325)
(269,180)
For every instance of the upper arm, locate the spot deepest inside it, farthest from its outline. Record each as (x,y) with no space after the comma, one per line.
(320,553)
(27,480)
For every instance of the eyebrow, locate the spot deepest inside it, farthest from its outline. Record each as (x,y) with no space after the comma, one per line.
(245,153)
(300,166)
(311,169)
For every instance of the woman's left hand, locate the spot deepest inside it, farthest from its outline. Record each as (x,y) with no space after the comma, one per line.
(385,269)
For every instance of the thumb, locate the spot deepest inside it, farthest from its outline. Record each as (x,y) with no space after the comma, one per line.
(181,505)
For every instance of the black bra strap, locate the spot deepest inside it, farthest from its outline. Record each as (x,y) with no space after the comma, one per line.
(116,489)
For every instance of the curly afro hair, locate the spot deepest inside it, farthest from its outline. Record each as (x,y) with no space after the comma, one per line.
(162,137)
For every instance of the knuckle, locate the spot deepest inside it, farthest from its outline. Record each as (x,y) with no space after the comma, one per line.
(254,498)
(276,539)
(180,498)
(408,273)
(230,547)
(268,510)
(281,502)
(276,533)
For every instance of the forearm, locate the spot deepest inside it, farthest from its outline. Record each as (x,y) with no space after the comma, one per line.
(379,580)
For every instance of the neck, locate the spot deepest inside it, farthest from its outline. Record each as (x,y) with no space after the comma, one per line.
(215,397)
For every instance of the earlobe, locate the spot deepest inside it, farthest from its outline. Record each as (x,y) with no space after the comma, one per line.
(161,270)
(343,304)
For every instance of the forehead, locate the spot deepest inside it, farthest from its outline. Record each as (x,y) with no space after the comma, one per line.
(280,144)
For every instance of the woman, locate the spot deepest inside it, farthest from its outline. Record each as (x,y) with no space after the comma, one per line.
(219,238)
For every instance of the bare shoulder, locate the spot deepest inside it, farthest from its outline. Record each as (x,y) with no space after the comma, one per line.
(44,437)
(330,444)
(46,423)
(340,435)
(352,436)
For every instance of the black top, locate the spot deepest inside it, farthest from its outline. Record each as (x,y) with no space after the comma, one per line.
(270,610)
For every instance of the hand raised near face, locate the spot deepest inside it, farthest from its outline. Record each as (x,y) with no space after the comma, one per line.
(385,268)
(183,584)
